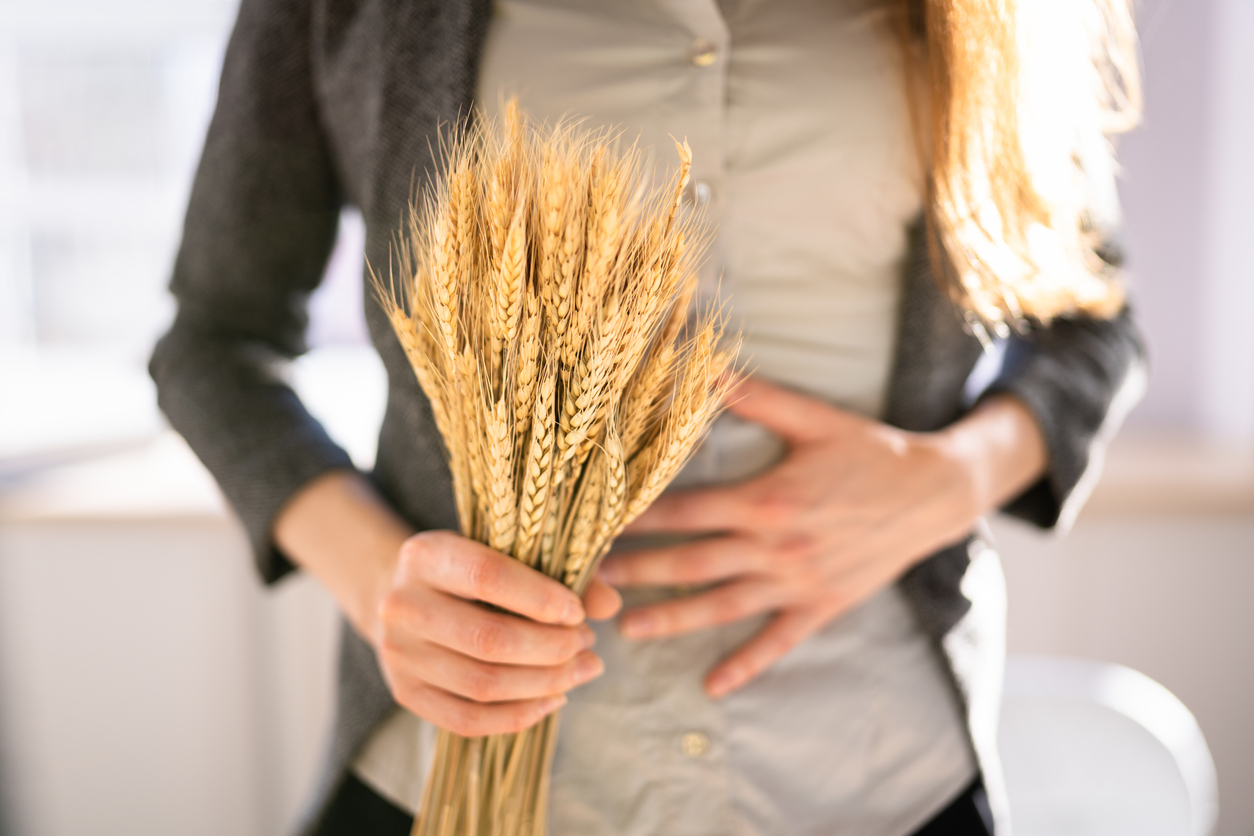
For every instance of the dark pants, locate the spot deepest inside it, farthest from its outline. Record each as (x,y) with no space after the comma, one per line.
(358,810)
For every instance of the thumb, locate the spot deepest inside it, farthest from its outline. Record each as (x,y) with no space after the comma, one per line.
(796,418)
(601,601)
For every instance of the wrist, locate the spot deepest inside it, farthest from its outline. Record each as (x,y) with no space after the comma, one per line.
(379,554)
(960,475)
(999,447)
(340,530)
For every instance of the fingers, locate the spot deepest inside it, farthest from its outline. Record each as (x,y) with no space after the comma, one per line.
(793,625)
(471,570)
(703,509)
(721,605)
(774,501)
(795,417)
(701,561)
(474,671)
(424,615)
(784,632)
(471,719)
(471,668)
(601,601)
(483,682)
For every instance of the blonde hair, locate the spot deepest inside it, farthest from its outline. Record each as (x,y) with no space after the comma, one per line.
(1019,100)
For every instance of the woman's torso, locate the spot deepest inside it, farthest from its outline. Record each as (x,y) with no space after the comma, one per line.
(803,159)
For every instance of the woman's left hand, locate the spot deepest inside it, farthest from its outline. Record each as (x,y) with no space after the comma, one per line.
(851,507)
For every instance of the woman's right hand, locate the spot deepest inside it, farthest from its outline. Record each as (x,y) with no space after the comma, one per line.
(419,600)
(472,669)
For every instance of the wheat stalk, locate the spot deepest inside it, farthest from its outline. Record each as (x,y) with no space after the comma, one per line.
(544,302)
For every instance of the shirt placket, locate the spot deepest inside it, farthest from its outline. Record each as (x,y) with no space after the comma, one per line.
(692,727)
(704,64)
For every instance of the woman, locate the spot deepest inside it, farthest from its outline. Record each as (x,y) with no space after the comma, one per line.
(824,656)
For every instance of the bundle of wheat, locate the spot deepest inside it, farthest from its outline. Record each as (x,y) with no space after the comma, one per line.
(544,302)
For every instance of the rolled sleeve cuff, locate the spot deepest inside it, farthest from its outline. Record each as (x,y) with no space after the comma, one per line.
(1079,379)
(262,487)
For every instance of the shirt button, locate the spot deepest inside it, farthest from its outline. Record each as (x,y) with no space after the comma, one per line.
(698,193)
(701,192)
(702,53)
(694,744)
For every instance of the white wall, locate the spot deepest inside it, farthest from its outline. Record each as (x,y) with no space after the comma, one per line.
(1166,595)
(1187,178)
(149,687)
(1226,409)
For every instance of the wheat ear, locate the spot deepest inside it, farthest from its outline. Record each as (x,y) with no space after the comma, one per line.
(511,277)
(533,499)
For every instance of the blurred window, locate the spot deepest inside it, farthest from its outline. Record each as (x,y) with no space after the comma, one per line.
(103,109)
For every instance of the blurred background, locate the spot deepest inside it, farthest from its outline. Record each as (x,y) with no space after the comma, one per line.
(149,686)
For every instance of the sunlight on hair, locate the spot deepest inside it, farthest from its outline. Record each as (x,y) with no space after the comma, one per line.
(1023,94)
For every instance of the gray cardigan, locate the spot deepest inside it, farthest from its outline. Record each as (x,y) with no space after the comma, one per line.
(328,102)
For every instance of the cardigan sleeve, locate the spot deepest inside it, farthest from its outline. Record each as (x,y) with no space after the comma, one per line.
(1079,377)
(259,227)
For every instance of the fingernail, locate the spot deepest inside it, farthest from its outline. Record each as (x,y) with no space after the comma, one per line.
(550,704)
(721,683)
(589,667)
(588,636)
(572,613)
(637,625)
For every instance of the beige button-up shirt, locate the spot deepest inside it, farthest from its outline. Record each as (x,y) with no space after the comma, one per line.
(804,159)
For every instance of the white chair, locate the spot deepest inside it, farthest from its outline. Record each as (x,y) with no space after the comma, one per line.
(1095,749)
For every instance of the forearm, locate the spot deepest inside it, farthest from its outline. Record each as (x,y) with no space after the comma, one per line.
(1003,450)
(339,530)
